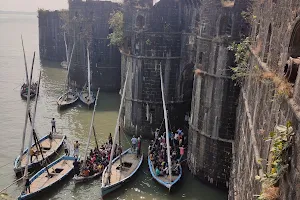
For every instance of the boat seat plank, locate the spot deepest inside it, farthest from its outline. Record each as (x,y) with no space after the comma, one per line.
(117,175)
(43,180)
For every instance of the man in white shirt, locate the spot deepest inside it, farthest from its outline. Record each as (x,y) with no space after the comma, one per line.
(133,142)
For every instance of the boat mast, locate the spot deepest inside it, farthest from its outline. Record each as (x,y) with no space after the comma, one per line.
(69,64)
(91,128)
(27,107)
(117,127)
(166,125)
(36,141)
(119,147)
(89,72)
(30,139)
(95,137)
(67,55)
(26,71)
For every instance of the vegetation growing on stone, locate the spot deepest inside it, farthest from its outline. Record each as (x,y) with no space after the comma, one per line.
(242,54)
(116,23)
(281,140)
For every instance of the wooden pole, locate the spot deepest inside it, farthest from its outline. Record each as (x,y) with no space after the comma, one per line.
(90,132)
(116,130)
(27,111)
(166,126)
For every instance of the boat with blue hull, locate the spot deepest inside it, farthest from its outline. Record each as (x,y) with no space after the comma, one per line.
(164,180)
(49,176)
(125,165)
(121,171)
(50,148)
(172,172)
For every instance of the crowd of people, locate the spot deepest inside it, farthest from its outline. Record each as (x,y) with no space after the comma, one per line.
(97,159)
(158,152)
(24,87)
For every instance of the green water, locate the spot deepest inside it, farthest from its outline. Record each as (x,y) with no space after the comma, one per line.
(73,122)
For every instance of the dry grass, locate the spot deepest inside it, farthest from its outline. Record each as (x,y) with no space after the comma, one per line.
(271,193)
(282,86)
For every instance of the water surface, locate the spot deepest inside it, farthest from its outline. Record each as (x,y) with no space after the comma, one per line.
(73,122)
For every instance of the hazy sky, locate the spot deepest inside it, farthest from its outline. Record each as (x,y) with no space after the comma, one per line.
(32,5)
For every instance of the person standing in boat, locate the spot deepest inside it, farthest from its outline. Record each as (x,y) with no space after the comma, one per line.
(27,186)
(139,145)
(76,149)
(66,148)
(53,125)
(76,167)
(133,142)
(33,153)
(110,140)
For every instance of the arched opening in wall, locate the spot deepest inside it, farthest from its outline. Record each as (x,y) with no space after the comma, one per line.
(140,21)
(267,44)
(225,26)
(187,80)
(291,67)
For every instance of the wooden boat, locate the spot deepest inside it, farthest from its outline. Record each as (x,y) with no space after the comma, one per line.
(87,98)
(24,91)
(164,180)
(171,179)
(67,99)
(124,166)
(71,95)
(33,86)
(86,95)
(119,175)
(50,148)
(41,181)
(79,179)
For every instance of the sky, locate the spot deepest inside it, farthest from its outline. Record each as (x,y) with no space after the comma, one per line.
(32,5)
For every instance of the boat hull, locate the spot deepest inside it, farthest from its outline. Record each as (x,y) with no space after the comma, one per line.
(168,184)
(82,97)
(107,189)
(80,179)
(62,104)
(42,171)
(24,93)
(37,165)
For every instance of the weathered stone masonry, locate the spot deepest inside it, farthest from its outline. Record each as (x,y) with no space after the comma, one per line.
(153,39)
(276,36)
(87,24)
(51,38)
(212,120)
